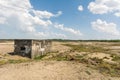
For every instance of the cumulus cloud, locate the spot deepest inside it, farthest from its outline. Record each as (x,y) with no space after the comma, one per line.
(46,14)
(20,18)
(2,20)
(104,6)
(117,14)
(58,13)
(57,35)
(80,8)
(103,26)
(70,30)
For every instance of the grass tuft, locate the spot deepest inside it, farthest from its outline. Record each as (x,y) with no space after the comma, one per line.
(115,57)
(39,57)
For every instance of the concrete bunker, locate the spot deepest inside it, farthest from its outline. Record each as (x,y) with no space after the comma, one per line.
(32,48)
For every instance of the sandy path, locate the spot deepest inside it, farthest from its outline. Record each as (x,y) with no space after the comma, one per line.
(50,70)
(57,46)
(6,48)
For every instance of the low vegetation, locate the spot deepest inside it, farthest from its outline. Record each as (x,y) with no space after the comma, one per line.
(39,57)
(104,67)
(96,63)
(17,61)
(2,62)
(115,58)
(86,48)
(67,40)
(60,57)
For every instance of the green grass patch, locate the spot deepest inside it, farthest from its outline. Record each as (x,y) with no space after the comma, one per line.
(115,57)
(39,57)
(11,61)
(86,48)
(17,61)
(60,57)
(2,62)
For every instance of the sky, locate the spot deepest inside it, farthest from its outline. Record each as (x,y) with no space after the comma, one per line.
(60,19)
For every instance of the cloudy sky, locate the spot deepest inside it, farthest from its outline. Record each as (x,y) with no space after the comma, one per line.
(60,19)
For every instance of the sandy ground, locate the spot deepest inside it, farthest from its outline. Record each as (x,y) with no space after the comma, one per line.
(57,46)
(6,47)
(50,70)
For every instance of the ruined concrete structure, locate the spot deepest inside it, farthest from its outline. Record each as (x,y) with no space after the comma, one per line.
(32,48)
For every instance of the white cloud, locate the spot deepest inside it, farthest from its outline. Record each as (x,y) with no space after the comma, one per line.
(43,14)
(57,35)
(80,8)
(97,8)
(70,30)
(104,6)
(50,35)
(117,14)
(58,13)
(103,26)
(46,14)
(19,18)
(2,20)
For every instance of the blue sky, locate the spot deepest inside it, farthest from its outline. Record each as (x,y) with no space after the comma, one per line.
(60,19)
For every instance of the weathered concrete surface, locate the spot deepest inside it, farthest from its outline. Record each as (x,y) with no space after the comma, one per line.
(23,47)
(32,48)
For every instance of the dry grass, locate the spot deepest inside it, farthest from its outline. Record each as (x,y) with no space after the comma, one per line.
(94,62)
(86,48)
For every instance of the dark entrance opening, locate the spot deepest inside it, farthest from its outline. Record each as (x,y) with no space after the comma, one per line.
(23,51)
(22,48)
